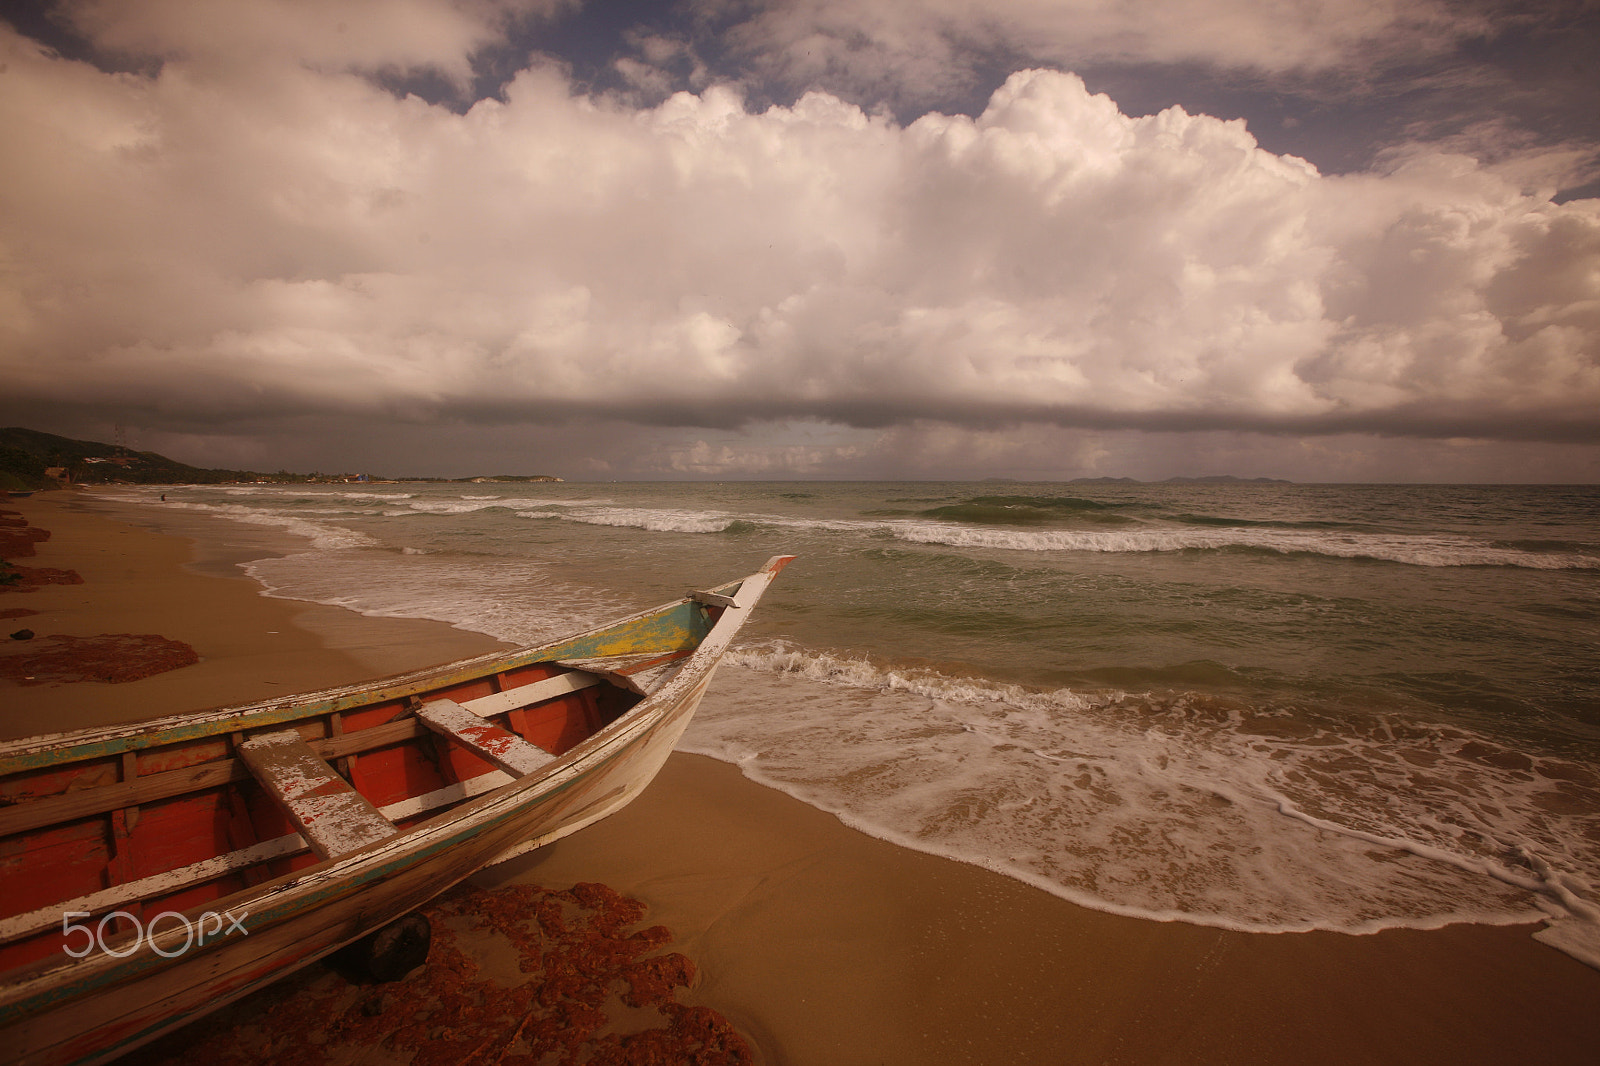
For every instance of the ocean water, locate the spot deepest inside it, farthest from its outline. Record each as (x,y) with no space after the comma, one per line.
(1256,706)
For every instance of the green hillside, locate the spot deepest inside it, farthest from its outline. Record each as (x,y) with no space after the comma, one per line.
(25,455)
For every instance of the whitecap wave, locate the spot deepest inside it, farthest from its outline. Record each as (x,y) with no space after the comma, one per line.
(1414,550)
(652,519)
(517,600)
(1397,548)
(322,536)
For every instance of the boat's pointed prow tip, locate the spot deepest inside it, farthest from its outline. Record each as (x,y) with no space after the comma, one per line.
(777,563)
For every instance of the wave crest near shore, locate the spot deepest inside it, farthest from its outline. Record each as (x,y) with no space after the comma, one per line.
(1174,806)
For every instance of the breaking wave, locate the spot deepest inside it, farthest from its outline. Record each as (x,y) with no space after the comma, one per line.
(1175,805)
(1397,548)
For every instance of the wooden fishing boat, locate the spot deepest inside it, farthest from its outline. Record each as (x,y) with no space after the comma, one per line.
(155,871)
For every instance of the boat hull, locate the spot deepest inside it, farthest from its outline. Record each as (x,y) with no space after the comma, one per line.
(294,922)
(95,1008)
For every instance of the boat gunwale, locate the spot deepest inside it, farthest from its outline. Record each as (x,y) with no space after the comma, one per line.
(47,750)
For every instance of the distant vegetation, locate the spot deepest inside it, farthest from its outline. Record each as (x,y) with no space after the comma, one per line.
(31,460)
(1227,479)
(20,470)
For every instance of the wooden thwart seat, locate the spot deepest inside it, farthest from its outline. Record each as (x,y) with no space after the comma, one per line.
(334,818)
(506,750)
(527,695)
(98,799)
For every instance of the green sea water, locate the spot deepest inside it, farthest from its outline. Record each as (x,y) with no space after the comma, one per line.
(1261,706)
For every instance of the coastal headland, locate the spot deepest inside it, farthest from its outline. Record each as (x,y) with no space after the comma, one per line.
(817,944)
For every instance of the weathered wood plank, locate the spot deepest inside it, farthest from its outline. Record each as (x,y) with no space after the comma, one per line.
(639,673)
(334,818)
(85,802)
(506,750)
(51,810)
(674,626)
(108,899)
(69,806)
(537,692)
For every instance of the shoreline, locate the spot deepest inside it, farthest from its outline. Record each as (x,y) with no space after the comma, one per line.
(143,580)
(835,946)
(823,944)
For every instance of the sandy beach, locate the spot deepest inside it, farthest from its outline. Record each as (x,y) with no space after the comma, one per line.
(137,580)
(822,945)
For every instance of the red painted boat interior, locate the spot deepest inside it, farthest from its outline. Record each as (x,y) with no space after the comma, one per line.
(103,840)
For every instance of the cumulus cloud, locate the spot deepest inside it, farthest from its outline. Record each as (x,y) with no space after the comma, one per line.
(214,241)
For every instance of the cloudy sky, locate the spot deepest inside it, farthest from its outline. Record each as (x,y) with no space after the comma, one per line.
(1325,240)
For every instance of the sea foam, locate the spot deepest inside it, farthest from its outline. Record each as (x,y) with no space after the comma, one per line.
(1176,806)
(322,536)
(1396,548)
(1409,549)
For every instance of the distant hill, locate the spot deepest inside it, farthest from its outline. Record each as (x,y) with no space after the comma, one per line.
(26,455)
(1209,479)
(1226,479)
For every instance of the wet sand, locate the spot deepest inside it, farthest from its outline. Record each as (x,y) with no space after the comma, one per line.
(137,580)
(838,948)
(823,945)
